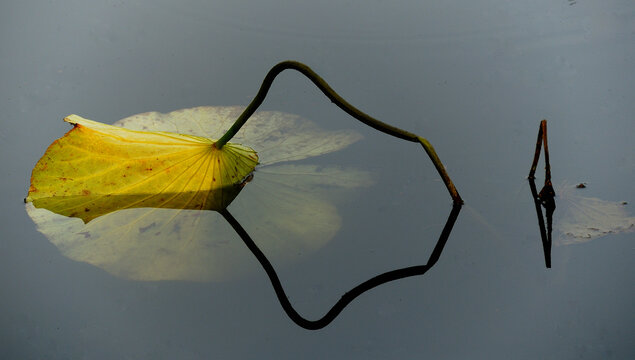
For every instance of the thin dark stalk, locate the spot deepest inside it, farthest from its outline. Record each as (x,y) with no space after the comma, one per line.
(342,104)
(354,292)
(547,195)
(539,142)
(543,127)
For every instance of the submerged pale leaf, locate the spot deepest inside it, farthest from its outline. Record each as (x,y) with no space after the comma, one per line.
(288,209)
(97,168)
(586,218)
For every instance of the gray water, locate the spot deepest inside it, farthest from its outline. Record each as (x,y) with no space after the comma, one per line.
(474,78)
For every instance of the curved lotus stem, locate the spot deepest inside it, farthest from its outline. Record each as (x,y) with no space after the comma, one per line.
(344,105)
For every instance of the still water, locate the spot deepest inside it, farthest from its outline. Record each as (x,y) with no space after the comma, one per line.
(473,78)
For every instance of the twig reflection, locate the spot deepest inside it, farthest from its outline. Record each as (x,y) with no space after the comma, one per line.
(545,233)
(547,195)
(354,292)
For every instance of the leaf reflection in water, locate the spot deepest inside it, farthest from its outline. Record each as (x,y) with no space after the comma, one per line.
(584,219)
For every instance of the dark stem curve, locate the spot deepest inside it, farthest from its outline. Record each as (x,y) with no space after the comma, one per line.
(350,295)
(344,105)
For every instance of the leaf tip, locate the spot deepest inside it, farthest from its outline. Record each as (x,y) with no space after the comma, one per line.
(73,119)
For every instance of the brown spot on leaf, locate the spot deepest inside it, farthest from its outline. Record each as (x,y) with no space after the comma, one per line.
(85,192)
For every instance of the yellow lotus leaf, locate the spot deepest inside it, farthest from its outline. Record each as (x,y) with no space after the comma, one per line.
(97,168)
(289,209)
(275,135)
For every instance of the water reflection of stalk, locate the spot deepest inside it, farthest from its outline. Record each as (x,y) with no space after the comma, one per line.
(350,295)
(545,233)
(546,196)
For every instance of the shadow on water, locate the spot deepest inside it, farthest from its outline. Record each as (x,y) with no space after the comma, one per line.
(356,291)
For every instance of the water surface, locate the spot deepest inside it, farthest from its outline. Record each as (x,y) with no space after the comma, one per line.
(474,78)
